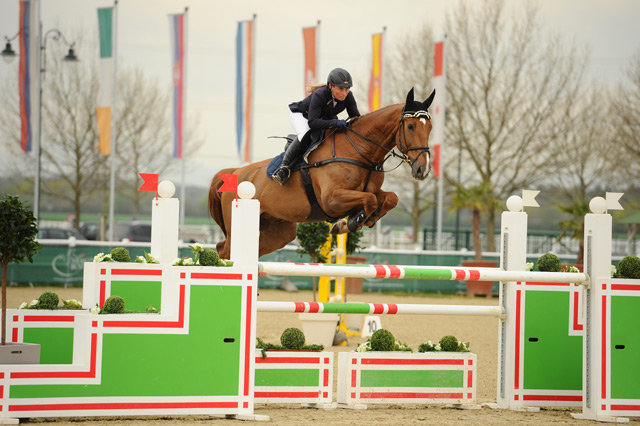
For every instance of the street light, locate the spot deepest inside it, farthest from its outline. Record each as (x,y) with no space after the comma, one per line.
(8,54)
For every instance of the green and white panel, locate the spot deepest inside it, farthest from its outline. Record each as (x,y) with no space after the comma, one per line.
(547,346)
(405,377)
(195,357)
(619,393)
(294,377)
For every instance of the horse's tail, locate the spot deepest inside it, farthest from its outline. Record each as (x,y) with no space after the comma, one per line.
(215,202)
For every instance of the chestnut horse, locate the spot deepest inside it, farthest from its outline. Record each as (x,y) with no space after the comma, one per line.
(346,176)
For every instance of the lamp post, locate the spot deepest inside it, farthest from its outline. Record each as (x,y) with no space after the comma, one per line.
(8,54)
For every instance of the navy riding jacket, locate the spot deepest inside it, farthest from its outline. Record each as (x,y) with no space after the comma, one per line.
(318,108)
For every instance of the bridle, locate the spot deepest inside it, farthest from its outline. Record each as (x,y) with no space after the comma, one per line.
(402,136)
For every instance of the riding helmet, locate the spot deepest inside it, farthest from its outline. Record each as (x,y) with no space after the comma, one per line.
(340,77)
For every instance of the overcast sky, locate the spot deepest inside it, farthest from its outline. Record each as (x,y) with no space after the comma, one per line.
(608,27)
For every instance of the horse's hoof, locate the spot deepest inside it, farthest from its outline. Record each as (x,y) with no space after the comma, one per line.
(355,222)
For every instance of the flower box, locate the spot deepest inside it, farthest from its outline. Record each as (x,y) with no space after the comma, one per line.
(287,376)
(406,378)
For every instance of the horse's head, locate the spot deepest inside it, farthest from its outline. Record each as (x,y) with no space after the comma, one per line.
(413,135)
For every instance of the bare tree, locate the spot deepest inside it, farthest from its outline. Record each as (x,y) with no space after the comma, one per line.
(508,89)
(624,149)
(579,165)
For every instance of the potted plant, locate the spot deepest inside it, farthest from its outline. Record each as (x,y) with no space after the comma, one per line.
(312,236)
(293,372)
(18,232)
(475,199)
(385,371)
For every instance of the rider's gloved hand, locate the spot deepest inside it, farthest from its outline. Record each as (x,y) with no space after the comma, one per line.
(341,124)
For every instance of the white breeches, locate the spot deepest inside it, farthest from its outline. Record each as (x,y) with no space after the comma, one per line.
(299,123)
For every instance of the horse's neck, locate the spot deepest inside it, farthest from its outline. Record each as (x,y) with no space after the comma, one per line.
(380,126)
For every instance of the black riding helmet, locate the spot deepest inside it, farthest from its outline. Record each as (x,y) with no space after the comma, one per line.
(340,77)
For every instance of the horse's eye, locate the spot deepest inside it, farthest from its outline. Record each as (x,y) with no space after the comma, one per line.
(411,127)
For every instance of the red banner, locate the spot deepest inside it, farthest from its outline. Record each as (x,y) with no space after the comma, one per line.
(375,83)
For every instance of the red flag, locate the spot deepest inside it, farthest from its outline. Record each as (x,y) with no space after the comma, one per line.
(229,183)
(150,182)
(310,63)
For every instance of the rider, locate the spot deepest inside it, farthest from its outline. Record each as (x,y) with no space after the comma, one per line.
(318,111)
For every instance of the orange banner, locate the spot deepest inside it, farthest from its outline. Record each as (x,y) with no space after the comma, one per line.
(310,77)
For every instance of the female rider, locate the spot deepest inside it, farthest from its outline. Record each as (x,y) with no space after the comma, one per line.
(318,111)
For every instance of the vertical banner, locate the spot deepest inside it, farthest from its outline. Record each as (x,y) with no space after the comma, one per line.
(29,73)
(245,70)
(437,136)
(310,40)
(437,132)
(106,78)
(375,82)
(178,27)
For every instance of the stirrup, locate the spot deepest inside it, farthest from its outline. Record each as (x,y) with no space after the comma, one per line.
(281,175)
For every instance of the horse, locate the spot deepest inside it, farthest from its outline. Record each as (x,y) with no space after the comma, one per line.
(343,177)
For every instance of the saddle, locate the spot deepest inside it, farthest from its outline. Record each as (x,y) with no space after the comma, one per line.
(316,214)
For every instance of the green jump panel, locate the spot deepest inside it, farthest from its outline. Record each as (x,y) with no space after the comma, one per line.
(56,344)
(138,295)
(553,358)
(287,377)
(412,378)
(198,363)
(625,347)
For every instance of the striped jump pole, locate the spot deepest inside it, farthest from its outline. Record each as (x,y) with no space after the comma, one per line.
(380,308)
(416,272)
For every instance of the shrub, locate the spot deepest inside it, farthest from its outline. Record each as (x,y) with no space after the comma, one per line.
(120,254)
(427,347)
(209,257)
(629,267)
(449,344)
(48,300)
(549,262)
(292,338)
(113,305)
(382,340)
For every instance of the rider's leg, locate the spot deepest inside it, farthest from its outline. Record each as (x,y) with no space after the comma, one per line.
(295,149)
(299,123)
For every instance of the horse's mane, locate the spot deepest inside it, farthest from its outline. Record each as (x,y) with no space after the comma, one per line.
(371,117)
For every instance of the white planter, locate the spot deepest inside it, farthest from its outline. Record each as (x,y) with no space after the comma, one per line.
(20,353)
(319,329)
(406,377)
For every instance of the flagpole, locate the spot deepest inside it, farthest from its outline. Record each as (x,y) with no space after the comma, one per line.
(38,152)
(183,191)
(112,159)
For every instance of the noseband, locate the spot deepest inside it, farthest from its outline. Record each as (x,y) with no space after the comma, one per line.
(402,137)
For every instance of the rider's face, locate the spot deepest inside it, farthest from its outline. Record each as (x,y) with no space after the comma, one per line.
(340,93)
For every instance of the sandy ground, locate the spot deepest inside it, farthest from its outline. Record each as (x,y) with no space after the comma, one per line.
(481,332)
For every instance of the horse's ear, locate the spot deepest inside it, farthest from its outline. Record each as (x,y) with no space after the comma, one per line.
(409,100)
(427,102)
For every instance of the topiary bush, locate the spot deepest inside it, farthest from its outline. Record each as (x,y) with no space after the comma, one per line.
(48,300)
(629,267)
(292,338)
(209,257)
(120,254)
(382,340)
(549,262)
(113,305)
(449,344)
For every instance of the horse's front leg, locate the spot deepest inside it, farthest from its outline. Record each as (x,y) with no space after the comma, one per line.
(343,200)
(386,201)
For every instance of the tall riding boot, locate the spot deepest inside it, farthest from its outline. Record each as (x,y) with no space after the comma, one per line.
(282,174)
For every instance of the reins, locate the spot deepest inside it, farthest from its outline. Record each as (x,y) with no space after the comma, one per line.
(371,166)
